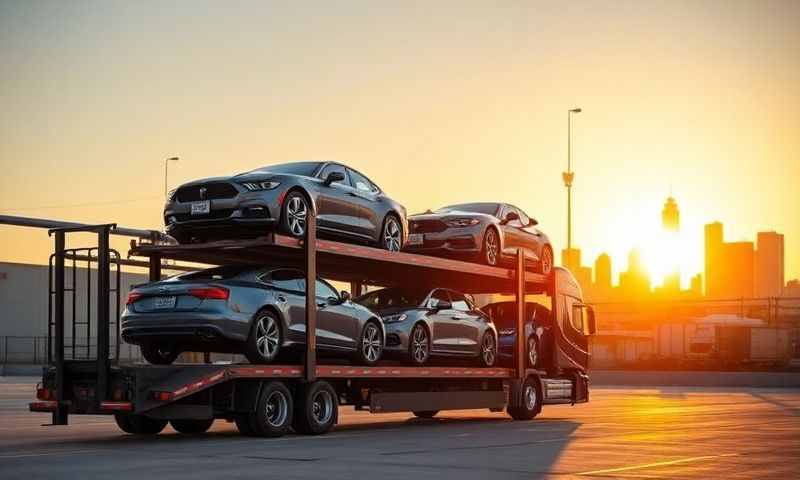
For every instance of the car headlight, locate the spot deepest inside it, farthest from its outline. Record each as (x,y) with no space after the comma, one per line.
(171,195)
(394,318)
(462,222)
(257,186)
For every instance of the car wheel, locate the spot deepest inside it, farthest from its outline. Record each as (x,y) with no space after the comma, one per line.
(392,234)
(156,354)
(419,345)
(531,401)
(295,212)
(317,408)
(491,247)
(488,350)
(370,344)
(273,415)
(546,262)
(265,340)
(425,413)
(139,424)
(533,352)
(191,426)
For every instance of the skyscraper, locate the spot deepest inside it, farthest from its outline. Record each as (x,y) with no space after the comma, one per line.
(713,252)
(769,274)
(728,266)
(671,216)
(602,272)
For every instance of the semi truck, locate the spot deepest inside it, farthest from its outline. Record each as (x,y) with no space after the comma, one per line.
(271,400)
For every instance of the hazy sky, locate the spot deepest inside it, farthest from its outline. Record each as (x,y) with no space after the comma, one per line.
(437,102)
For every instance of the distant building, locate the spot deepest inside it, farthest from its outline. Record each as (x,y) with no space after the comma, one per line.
(635,282)
(696,286)
(602,273)
(729,267)
(571,259)
(671,216)
(769,274)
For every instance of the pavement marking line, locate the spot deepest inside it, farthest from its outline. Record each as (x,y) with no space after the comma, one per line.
(43,454)
(656,464)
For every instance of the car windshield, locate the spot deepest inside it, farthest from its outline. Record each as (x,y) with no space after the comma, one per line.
(485,208)
(219,273)
(392,298)
(305,169)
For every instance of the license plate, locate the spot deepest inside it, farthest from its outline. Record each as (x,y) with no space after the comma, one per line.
(201,208)
(164,302)
(416,239)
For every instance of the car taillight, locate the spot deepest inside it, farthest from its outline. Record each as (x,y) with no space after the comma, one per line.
(133,296)
(213,293)
(43,393)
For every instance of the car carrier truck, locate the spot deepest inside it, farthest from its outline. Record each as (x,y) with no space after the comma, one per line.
(270,400)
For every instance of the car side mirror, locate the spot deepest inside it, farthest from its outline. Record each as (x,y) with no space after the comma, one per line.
(510,217)
(333,177)
(345,296)
(443,305)
(533,222)
(591,321)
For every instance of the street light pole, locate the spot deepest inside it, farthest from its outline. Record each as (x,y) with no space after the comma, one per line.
(166,172)
(568,177)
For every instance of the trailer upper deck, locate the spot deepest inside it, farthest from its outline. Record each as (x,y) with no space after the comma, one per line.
(349,263)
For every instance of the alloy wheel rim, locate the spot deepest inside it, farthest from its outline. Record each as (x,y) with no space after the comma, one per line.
(268,336)
(296,212)
(532,354)
(371,343)
(488,350)
(322,407)
(491,247)
(419,345)
(392,235)
(530,397)
(277,409)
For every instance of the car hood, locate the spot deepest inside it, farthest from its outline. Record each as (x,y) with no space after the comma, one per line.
(255,175)
(451,214)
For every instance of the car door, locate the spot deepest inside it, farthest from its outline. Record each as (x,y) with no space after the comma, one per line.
(366,195)
(467,323)
(336,209)
(290,299)
(529,236)
(337,326)
(446,328)
(515,235)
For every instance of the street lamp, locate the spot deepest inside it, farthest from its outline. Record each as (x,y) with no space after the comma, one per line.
(568,177)
(166,171)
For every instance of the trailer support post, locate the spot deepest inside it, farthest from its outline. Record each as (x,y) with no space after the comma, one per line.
(155,267)
(60,415)
(521,340)
(310,247)
(103,289)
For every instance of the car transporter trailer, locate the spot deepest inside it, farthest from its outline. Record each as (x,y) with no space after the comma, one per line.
(268,400)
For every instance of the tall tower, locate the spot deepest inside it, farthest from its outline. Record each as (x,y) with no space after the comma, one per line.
(769,265)
(671,216)
(713,257)
(602,273)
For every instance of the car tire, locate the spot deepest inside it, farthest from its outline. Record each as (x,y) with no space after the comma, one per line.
(139,424)
(190,426)
(274,410)
(264,343)
(531,401)
(546,261)
(533,352)
(425,413)
(490,250)
(156,354)
(294,214)
(316,408)
(370,344)
(488,350)
(243,425)
(391,234)
(419,345)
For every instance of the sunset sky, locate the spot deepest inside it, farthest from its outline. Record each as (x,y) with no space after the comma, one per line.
(438,102)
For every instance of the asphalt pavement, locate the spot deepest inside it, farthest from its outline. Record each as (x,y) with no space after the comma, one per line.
(624,432)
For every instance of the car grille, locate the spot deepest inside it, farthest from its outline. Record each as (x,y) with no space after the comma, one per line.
(213,191)
(212,215)
(426,226)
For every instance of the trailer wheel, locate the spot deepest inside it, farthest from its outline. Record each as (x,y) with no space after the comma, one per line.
(530,403)
(139,424)
(191,426)
(273,415)
(317,408)
(425,413)
(243,424)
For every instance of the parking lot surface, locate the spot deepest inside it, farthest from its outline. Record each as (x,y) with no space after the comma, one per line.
(670,432)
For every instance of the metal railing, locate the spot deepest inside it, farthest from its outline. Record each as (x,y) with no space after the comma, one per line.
(35,349)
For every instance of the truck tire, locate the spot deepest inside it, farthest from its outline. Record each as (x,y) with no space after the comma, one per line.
(139,424)
(531,401)
(273,415)
(191,426)
(243,424)
(317,408)
(425,413)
